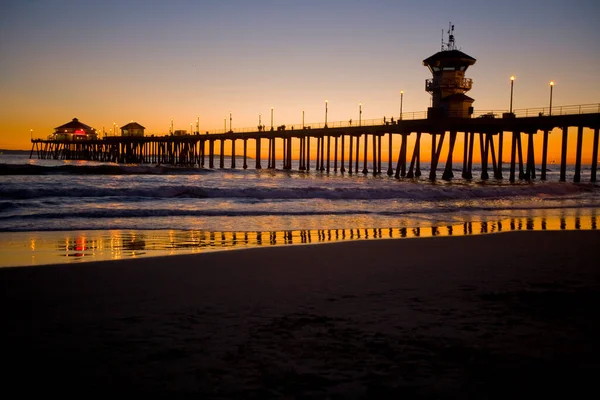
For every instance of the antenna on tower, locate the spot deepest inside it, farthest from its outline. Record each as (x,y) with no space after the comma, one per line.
(451,45)
(442,40)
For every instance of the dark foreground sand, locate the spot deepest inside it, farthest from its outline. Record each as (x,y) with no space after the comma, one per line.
(511,315)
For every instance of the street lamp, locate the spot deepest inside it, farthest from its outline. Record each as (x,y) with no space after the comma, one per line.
(325,113)
(259,122)
(31,134)
(512,83)
(551,86)
(401,99)
(230,119)
(302,119)
(359,114)
(271,118)
(198,125)
(191,128)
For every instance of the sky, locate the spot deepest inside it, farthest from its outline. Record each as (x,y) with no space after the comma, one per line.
(110,62)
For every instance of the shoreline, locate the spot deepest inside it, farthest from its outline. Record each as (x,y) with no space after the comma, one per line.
(484,316)
(38,248)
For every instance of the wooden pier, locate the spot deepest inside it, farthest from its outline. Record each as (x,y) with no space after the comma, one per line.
(346,148)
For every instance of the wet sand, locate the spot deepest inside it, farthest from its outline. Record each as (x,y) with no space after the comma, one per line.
(491,316)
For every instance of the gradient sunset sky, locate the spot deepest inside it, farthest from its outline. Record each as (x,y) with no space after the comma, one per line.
(108,62)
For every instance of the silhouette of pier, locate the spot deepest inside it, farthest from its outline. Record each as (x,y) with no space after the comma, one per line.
(347,148)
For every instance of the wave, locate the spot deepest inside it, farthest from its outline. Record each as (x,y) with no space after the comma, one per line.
(119,219)
(410,191)
(103,169)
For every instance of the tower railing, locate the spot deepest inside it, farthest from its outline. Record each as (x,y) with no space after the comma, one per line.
(448,83)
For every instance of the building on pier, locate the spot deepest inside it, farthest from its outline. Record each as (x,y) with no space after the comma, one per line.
(74,130)
(449,85)
(132,129)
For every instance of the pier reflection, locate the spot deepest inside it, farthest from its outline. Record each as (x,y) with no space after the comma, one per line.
(66,247)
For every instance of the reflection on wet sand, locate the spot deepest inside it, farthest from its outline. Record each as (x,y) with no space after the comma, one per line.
(45,248)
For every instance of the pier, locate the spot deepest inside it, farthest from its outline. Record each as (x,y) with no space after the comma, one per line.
(346,148)
(343,147)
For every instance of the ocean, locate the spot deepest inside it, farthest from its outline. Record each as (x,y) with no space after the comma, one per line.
(56,211)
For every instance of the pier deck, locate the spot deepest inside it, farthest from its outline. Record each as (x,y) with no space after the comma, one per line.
(362,138)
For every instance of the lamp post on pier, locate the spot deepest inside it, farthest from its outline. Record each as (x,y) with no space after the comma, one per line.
(31,134)
(325,113)
(271,118)
(230,119)
(302,119)
(551,86)
(198,125)
(359,114)
(512,83)
(191,128)
(401,99)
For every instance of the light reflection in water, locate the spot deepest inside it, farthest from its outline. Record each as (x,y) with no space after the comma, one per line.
(60,247)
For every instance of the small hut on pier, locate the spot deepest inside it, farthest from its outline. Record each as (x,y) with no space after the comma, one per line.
(74,130)
(132,129)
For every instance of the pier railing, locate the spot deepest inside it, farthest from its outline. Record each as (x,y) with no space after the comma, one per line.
(407,116)
(558,110)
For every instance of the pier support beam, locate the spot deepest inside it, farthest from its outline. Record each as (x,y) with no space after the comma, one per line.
(222,154)
(328,152)
(520,154)
(289,152)
(492,152)
(379,138)
(342,150)
(401,166)
(513,156)
(415,158)
(465,155)
(435,154)
(335,153)
(322,162)
(374,154)
(318,166)
(448,174)
(500,153)
(258,166)
(563,155)
(357,152)
(233,153)
(365,170)
(577,177)
(530,171)
(390,170)
(544,155)
(483,148)
(350,166)
(245,154)
(211,154)
(308,153)
(594,156)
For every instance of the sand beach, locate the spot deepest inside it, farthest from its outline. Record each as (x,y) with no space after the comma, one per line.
(505,315)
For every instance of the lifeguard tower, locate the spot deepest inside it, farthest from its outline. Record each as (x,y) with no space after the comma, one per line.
(449,85)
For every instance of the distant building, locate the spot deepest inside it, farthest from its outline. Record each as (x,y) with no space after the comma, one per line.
(132,129)
(74,130)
